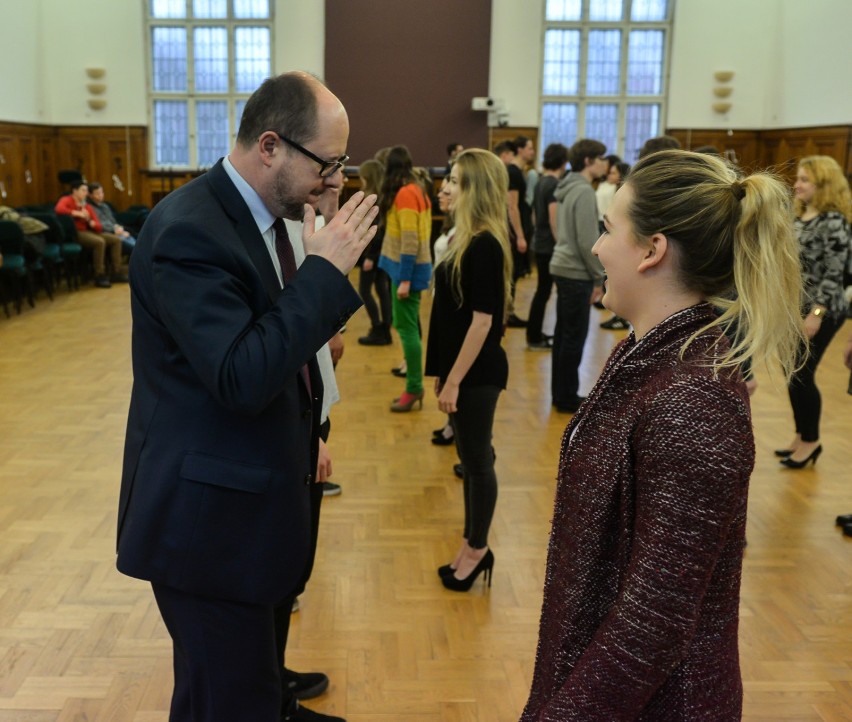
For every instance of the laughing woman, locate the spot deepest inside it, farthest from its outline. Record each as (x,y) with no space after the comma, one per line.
(823,210)
(472,285)
(641,595)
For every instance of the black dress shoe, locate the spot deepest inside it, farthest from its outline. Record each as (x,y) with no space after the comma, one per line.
(458,470)
(303,685)
(442,441)
(791,463)
(843,520)
(296,713)
(847,530)
(571,406)
(515,322)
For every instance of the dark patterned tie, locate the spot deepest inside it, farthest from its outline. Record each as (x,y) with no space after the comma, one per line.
(287,259)
(284,250)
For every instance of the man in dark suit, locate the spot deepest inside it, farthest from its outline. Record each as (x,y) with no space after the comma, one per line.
(223,428)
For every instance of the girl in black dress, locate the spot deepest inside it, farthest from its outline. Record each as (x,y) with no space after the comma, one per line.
(472,285)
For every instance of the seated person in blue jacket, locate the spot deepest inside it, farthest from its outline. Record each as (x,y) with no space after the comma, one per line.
(107,218)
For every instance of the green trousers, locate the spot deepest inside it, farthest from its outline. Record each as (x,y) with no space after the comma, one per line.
(406,320)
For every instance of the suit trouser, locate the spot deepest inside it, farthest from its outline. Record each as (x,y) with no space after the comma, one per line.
(283,611)
(98,243)
(224,659)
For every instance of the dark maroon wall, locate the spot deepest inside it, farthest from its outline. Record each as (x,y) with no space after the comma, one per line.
(406,71)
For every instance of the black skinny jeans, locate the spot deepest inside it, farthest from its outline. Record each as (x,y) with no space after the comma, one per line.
(540,298)
(804,394)
(378,278)
(473,424)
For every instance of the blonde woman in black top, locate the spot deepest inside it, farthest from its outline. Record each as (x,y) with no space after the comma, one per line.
(472,285)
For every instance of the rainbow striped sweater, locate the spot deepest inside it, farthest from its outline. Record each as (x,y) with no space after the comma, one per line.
(405,248)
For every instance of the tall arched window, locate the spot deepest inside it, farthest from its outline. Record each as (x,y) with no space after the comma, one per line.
(605,72)
(205,57)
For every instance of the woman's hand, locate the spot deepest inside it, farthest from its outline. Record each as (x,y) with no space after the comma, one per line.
(812,324)
(403,290)
(367,265)
(448,397)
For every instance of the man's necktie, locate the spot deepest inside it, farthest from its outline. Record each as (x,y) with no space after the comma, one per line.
(284,250)
(287,259)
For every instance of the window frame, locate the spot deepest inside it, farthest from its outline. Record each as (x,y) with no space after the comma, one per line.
(622,99)
(232,97)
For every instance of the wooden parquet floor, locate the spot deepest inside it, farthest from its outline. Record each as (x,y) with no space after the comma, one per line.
(79,642)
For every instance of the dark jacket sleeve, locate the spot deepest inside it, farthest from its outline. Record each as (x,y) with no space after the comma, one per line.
(243,359)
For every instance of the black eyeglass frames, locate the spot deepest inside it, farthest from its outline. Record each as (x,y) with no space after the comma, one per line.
(327,167)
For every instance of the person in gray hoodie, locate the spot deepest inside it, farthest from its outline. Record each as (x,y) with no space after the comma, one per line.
(577,273)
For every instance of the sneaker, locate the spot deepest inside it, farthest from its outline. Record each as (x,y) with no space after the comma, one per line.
(303,685)
(515,322)
(102,282)
(378,336)
(616,323)
(329,488)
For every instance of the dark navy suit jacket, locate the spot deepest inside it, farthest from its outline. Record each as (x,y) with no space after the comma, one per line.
(222,434)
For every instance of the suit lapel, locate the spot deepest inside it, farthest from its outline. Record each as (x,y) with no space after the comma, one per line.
(255,246)
(246,228)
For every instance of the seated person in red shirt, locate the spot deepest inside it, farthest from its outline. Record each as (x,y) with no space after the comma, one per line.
(90,234)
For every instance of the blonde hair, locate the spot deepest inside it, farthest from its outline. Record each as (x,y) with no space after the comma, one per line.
(831,187)
(372,173)
(480,207)
(732,234)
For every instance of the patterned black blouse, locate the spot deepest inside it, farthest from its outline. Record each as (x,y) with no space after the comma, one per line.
(824,244)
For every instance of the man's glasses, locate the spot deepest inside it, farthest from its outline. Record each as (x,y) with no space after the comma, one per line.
(327,167)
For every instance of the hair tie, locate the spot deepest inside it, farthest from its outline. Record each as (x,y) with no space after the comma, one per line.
(738,189)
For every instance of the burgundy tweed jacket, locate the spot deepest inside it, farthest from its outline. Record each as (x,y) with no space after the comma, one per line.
(641,594)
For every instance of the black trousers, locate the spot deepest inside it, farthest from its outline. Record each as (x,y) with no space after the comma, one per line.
(225,664)
(569,338)
(539,301)
(804,394)
(473,423)
(283,611)
(381,314)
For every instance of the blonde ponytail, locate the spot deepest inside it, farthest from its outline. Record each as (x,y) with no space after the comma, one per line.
(736,241)
(766,312)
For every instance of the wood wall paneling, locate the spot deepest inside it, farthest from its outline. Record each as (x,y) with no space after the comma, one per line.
(32,155)
(498,135)
(778,149)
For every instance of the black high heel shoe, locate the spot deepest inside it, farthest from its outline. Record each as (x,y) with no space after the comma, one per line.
(446,570)
(791,464)
(486,564)
(783,453)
